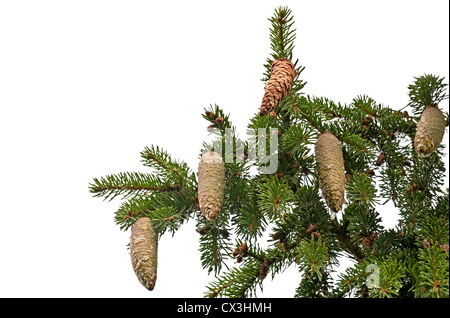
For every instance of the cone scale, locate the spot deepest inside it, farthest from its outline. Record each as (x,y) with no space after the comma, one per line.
(331,170)
(211,184)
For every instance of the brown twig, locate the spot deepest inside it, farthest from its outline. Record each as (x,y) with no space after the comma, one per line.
(345,240)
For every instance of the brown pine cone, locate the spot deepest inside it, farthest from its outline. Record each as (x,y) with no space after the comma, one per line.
(331,170)
(430,131)
(144,252)
(281,78)
(211,184)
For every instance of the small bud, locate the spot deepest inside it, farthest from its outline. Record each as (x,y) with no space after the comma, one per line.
(243,247)
(264,269)
(210,114)
(316,235)
(380,159)
(367,120)
(219,121)
(277,235)
(426,243)
(311,228)
(225,233)
(366,242)
(203,230)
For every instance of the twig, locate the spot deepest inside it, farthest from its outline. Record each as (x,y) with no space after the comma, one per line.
(174,170)
(136,187)
(344,239)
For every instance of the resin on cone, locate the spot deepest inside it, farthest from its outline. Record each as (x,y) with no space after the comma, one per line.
(331,170)
(144,250)
(430,131)
(211,184)
(280,83)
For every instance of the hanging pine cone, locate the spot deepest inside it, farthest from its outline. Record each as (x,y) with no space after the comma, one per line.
(331,170)
(281,78)
(143,250)
(430,131)
(211,184)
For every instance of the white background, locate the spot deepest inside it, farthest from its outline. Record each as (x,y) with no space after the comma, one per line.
(86,85)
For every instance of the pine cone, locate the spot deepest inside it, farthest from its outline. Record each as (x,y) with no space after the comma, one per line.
(430,131)
(143,250)
(211,184)
(281,78)
(331,170)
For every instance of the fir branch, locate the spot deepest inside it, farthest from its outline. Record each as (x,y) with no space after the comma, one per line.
(162,165)
(237,283)
(361,189)
(250,222)
(312,257)
(167,168)
(427,90)
(282,35)
(128,184)
(218,119)
(168,210)
(297,139)
(412,258)
(434,273)
(130,210)
(306,111)
(353,280)
(363,226)
(344,239)
(310,216)
(274,197)
(392,271)
(356,142)
(214,243)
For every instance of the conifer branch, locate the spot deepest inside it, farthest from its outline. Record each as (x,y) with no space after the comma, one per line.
(412,258)
(340,230)
(128,184)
